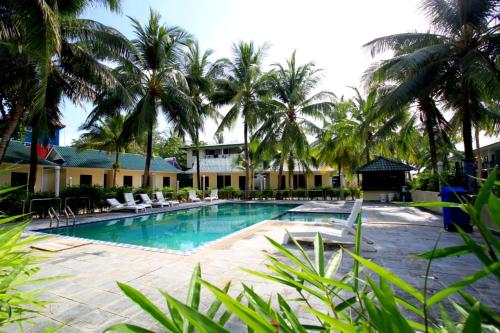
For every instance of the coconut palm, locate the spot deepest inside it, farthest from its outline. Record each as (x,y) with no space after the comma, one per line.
(245,90)
(294,106)
(200,74)
(106,134)
(35,36)
(337,144)
(156,80)
(457,61)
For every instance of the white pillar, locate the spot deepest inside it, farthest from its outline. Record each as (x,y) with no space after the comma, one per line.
(57,181)
(153,181)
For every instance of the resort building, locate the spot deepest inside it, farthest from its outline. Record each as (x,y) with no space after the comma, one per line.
(66,166)
(220,168)
(490,157)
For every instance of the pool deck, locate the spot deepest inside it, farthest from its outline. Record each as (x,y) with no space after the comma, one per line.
(90,300)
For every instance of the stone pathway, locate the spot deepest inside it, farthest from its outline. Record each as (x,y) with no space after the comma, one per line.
(90,301)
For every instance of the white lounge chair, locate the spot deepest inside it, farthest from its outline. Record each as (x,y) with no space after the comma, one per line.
(130,201)
(338,232)
(214,195)
(161,198)
(115,205)
(145,199)
(192,196)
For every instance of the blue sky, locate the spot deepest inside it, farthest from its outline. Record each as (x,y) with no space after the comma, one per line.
(330,33)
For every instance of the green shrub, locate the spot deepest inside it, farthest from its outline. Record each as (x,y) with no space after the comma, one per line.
(230,192)
(17,270)
(354,302)
(353,191)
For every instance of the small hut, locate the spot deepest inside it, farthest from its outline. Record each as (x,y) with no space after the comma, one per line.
(382,176)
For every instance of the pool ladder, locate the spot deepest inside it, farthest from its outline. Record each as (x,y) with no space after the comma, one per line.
(68,213)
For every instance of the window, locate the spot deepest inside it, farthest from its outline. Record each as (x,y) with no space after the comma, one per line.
(185,180)
(18,178)
(166,181)
(105,180)
(241,182)
(227,180)
(223,181)
(127,181)
(299,181)
(283,182)
(318,180)
(86,180)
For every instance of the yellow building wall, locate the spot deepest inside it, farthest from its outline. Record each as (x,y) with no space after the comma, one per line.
(6,176)
(75,173)
(271,179)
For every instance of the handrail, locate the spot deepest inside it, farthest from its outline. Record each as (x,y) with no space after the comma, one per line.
(44,199)
(68,212)
(52,214)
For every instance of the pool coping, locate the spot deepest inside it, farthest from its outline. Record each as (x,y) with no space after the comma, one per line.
(174,209)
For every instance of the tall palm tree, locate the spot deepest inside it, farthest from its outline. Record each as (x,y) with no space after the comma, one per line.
(294,106)
(155,77)
(35,35)
(457,60)
(106,134)
(245,89)
(200,74)
(44,122)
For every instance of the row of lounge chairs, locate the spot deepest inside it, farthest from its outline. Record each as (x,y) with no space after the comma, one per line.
(132,205)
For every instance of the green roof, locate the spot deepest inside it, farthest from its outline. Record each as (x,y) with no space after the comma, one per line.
(91,158)
(383,164)
(18,152)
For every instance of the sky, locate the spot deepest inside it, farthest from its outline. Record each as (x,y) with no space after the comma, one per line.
(329,33)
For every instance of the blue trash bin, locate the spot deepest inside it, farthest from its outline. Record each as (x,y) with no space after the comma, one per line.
(453,217)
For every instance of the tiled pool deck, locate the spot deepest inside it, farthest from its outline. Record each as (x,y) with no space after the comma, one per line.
(90,301)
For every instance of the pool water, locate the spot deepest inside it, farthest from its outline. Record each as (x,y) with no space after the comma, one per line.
(312,217)
(181,230)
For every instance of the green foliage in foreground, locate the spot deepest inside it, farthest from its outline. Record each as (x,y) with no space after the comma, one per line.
(375,301)
(17,270)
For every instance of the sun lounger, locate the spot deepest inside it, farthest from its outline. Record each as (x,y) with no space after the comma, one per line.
(192,196)
(130,201)
(115,205)
(214,195)
(145,199)
(161,198)
(338,232)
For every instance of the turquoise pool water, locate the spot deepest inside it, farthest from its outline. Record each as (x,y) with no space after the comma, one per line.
(312,217)
(181,230)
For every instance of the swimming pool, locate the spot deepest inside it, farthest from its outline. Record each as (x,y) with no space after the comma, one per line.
(182,230)
(312,217)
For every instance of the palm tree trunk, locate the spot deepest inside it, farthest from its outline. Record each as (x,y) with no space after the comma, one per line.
(197,143)
(15,116)
(247,159)
(280,176)
(429,129)
(115,166)
(478,152)
(35,132)
(149,156)
(467,135)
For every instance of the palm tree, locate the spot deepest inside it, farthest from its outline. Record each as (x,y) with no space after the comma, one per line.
(35,35)
(337,144)
(289,119)
(44,121)
(456,61)
(106,134)
(200,74)
(245,89)
(156,81)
